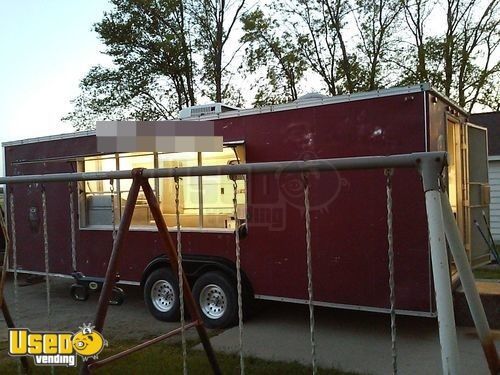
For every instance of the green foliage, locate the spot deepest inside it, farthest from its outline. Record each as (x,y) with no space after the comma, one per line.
(462,62)
(490,93)
(488,272)
(376,21)
(154,73)
(213,22)
(168,54)
(116,94)
(274,51)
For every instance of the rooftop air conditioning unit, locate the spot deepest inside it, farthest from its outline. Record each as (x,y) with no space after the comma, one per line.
(204,110)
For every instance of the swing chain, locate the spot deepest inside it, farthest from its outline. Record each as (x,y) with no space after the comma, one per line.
(238,275)
(307,215)
(46,251)
(390,241)
(14,261)
(14,253)
(180,277)
(113,212)
(73,226)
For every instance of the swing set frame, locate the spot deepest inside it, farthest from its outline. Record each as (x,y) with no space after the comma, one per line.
(441,225)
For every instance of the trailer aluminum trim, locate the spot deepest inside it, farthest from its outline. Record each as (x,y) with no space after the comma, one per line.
(230,144)
(64,276)
(267,298)
(346,306)
(152,228)
(412,160)
(55,137)
(275,108)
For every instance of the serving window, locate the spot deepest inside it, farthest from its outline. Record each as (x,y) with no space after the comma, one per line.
(189,188)
(96,196)
(142,214)
(204,202)
(218,192)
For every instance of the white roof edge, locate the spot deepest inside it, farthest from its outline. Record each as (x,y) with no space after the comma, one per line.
(318,102)
(259,110)
(76,134)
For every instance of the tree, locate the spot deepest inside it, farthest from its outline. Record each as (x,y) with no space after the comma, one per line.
(168,54)
(152,46)
(276,53)
(214,21)
(477,38)
(461,61)
(319,30)
(151,37)
(490,93)
(375,20)
(112,94)
(416,13)
(323,29)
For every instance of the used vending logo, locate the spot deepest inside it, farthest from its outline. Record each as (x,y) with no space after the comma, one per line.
(56,348)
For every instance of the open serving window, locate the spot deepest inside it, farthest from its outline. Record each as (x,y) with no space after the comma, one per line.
(204,202)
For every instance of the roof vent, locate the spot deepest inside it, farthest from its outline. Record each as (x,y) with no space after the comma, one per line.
(311,96)
(205,110)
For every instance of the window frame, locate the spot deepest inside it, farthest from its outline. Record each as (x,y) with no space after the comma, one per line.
(82,201)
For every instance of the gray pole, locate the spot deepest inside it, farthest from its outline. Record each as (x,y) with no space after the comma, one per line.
(431,172)
(467,278)
(414,160)
(442,284)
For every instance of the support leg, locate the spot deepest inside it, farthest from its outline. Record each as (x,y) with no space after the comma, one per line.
(442,283)
(467,278)
(109,281)
(6,254)
(172,255)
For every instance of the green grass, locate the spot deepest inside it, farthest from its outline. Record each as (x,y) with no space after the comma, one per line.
(167,359)
(487,273)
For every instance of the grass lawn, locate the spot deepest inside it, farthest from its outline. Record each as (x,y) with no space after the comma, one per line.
(487,273)
(165,358)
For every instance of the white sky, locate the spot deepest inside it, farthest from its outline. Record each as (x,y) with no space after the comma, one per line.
(46,48)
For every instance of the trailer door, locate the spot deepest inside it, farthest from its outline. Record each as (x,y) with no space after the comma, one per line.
(477,195)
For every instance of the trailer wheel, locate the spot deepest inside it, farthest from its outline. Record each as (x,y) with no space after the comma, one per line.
(79,292)
(216,296)
(161,294)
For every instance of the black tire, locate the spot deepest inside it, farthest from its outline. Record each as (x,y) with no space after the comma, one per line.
(117,296)
(217,298)
(161,295)
(79,292)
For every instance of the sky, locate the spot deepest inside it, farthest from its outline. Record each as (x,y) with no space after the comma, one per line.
(46,47)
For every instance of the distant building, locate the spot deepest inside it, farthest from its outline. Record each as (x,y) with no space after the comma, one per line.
(491,121)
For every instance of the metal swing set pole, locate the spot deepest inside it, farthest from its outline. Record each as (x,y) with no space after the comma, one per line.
(467,279)
(430,165)
(138,182)
(443,228)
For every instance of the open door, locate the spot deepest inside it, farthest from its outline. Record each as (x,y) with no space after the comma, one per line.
(477,193)
(457,175)
(468,187)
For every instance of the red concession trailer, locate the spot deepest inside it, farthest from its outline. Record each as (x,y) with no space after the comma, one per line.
(348,209)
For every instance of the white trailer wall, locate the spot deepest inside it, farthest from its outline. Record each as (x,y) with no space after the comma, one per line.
(494,178)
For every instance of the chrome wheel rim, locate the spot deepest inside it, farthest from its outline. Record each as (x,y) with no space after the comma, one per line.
(162,295)
(213,301)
